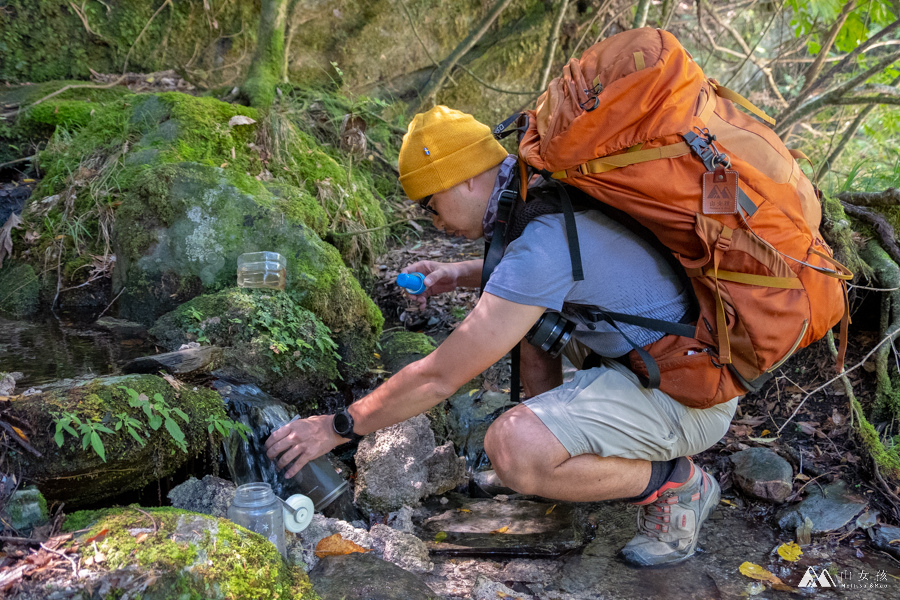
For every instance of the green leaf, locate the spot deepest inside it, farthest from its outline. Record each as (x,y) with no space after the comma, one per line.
(155,422)
(159,398)
(85,441)
(97,445)
(174,430)
(181,414)
(139,439)
(58,438)
(103,428)
(221,428)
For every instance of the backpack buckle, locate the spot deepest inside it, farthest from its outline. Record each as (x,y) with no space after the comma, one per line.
(703,146)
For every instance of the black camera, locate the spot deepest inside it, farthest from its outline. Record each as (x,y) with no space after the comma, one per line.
(551,333)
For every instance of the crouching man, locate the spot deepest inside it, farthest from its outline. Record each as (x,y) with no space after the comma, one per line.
(601,436)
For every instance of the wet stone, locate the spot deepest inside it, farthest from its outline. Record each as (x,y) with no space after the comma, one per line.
(887,538)
(190,361)
(486,589)
(209,496)
(361,576)
(828,509)
(120,328)
(515,528)
(762,474)
(25,510)
(403,549)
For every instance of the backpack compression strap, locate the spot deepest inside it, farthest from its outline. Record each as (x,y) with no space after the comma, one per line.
(492,255)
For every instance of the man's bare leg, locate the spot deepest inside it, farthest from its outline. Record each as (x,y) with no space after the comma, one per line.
(539,372)
(528,458)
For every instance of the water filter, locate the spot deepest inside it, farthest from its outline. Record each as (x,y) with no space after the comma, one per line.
(413,283)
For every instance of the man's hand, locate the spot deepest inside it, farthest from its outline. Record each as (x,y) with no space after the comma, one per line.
(444,277)
(302,441)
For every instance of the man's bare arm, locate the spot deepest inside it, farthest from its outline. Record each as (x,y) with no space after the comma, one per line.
(488,333)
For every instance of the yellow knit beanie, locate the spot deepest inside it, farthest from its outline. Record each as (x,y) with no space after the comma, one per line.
(444,147)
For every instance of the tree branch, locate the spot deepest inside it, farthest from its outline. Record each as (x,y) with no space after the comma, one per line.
(552,43)
(434,86)
(640,14)
(845,139)
(886,199)
(815,68)
(884,229)
(846,60)
(833,95)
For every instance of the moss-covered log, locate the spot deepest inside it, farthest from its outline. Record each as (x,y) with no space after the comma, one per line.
(75,472)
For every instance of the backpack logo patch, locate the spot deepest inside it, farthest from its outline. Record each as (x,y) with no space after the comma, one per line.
(720,192)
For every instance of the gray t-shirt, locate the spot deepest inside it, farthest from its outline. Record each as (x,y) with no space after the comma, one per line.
(622,273)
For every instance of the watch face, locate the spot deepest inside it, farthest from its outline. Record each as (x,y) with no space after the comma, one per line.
(342,424)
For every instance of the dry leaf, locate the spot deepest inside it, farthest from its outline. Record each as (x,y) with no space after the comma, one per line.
(141,537)
(19,433)
(6,246)
(335,545)
(503,529)
(472,392)
(98,537)
(240,120)
(789,551)
(727,502)
(463,510)
(753,571)
(763,440)
(550,510)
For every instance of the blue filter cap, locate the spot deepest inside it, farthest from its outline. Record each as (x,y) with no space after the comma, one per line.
(414,283)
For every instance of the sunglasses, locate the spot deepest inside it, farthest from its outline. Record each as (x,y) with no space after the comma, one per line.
(423,204)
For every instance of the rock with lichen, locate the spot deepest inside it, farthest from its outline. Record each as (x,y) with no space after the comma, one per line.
(96,440)
(151,553)
(210,496)
(400,465)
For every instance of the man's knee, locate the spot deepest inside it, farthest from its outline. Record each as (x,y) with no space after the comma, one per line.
(510,459)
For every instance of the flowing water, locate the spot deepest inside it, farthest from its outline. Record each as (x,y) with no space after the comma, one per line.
(247,461)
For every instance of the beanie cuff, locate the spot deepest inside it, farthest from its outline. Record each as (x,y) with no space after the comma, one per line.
(448,171)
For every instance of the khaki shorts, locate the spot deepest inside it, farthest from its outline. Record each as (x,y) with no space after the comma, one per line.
(606,411)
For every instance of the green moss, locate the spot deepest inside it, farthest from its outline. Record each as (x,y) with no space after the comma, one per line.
(225,561)
(46,39)
(19,289)
(408,342)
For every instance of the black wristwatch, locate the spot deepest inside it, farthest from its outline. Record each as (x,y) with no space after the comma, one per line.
(343,426)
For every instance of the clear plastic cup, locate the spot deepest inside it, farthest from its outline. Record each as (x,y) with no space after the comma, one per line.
(262,270)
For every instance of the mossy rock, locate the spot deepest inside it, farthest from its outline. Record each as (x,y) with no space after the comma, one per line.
(74,472)
(19,290)
(268,338)
(45,39)
(400,348)
(164,553)
(182,237)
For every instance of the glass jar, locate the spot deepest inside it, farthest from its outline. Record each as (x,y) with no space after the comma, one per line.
(262,270)
(256,508)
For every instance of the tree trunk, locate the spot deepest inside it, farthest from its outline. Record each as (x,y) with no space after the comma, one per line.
(268,60)
(426,98)
(640,14)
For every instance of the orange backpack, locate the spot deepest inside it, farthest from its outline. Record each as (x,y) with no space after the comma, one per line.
(635,124)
